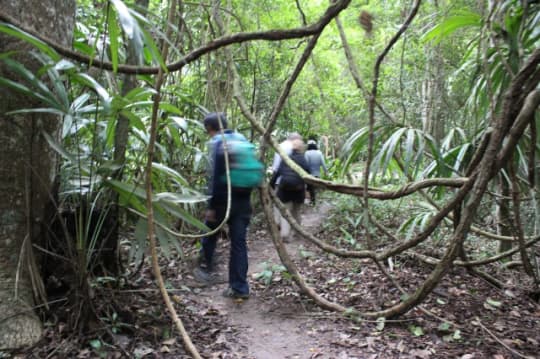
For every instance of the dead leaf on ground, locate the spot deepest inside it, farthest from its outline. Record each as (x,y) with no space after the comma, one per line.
(171,341)
(421,353)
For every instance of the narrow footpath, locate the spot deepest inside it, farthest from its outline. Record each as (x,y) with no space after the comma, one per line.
(269,326)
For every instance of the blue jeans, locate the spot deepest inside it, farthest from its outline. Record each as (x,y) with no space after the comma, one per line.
(238,222)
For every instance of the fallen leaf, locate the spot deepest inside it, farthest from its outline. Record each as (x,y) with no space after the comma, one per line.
(509,293)
(456,291)
(416,330)
(380,323)
(420,353)
(221,339)
(142,351)
(370,341)
(169,341)
(493,303)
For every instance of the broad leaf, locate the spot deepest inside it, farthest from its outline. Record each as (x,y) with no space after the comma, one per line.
(449,25)
(13,31)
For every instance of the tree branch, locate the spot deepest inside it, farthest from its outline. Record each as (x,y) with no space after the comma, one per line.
(271,35)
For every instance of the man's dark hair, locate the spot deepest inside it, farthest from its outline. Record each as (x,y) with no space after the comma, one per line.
(211,121)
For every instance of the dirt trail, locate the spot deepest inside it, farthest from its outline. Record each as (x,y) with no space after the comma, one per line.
(267,328)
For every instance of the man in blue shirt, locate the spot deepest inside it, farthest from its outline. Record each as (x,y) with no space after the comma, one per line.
(239,217)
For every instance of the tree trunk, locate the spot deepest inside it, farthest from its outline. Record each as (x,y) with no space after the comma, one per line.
(432,93)
(28,165)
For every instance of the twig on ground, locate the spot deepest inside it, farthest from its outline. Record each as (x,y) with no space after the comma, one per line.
(477,321)
(421,308)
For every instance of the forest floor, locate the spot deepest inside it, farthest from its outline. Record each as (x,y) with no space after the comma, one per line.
(278,322)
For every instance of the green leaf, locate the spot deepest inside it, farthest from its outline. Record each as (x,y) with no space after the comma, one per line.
(164,240)
(134,120)
(93,84)
(444,327)
(176,198)
(58,148)
(416,330)
(170,108)
(29,76)
(66,125)
(139,94)
(39,90)
(404,297)
(114,32)
(37,110)
(175,175)
(493,303)
(139,104)
(64,65)
(13,31)
(140,233)
(131,28)
(96,344)
(389,147)
(153,49)
(84,48)
(129,194)
(179,212)
(78,102)
(448,26)
(409,149)
(110,130)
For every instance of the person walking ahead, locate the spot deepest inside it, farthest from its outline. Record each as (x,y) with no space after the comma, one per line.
(239,217)
(315,161)
(291,189)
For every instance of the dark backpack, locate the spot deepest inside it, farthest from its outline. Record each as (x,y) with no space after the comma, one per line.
(246,171)
(289,179)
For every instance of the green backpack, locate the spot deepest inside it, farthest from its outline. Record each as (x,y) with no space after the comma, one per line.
(246,170)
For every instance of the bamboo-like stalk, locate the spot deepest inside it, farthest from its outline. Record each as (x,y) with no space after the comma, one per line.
(188,344)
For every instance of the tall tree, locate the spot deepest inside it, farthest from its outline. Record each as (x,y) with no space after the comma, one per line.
(28,165)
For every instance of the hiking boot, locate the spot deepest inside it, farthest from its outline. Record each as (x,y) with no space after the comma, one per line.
(231,293)
(206,277)
(202,275)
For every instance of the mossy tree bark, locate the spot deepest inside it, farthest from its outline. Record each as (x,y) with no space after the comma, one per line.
(28,168)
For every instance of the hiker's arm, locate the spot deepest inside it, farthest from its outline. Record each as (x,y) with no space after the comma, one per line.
(276,162)
(275,175)
(323,164)
(217,173)
(304,164)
